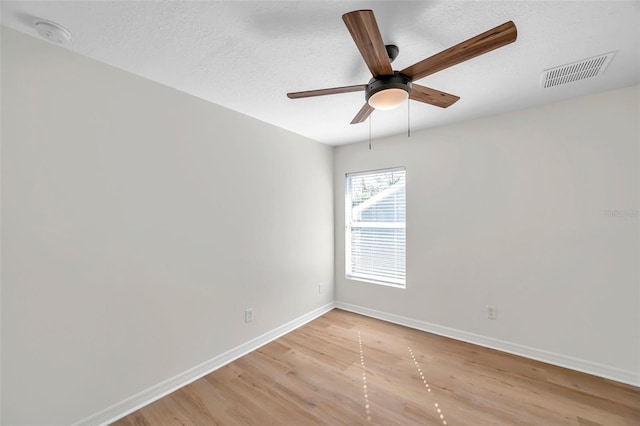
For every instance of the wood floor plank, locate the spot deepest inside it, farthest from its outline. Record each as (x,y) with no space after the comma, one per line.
(344,368)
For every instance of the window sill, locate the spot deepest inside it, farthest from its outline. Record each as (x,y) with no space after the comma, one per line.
(372,281)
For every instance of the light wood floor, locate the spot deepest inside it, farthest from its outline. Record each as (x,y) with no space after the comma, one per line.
(346,369)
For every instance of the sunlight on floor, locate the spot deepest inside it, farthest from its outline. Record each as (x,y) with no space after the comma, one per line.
(424,380)
(364,379)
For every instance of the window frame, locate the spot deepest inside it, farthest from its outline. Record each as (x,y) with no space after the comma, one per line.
(349,222)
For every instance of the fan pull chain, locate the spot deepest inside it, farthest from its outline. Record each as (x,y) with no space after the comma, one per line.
(369,132)
(408,119)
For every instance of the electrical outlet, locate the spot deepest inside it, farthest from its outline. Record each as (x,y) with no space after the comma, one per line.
(320,288)
(492,312)
(248,315)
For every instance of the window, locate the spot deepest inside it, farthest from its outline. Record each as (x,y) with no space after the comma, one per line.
(375,226)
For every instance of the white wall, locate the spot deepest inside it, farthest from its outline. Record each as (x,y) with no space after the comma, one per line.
(510,211)
(138,223)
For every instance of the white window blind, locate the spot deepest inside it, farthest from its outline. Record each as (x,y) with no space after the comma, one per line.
(375,207)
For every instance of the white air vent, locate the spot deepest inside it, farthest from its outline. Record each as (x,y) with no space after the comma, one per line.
(580,70)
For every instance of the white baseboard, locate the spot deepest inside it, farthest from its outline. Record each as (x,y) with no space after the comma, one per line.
(624,376)
(129,405)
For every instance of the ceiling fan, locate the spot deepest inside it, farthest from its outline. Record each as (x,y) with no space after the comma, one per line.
(388,88)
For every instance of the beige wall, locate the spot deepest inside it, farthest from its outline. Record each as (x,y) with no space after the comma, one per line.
(512,211)
(138,223)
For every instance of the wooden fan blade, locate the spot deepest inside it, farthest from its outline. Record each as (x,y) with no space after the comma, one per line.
(365,32)
(478,45)
(331,91)
(432,96)
(363,114)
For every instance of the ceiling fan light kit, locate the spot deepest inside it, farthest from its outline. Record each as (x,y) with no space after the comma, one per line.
(388,88)
(388,91)
(388,98)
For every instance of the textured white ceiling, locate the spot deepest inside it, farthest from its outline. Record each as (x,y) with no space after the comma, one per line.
(247,55)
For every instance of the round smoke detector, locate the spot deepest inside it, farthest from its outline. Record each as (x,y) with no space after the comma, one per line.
(52,31)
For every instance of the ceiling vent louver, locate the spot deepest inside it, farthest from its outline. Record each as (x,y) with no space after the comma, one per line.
(575,71)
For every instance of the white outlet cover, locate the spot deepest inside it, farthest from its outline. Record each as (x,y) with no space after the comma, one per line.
(492,312)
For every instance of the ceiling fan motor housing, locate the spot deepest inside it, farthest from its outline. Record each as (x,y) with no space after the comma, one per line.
(384,82)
